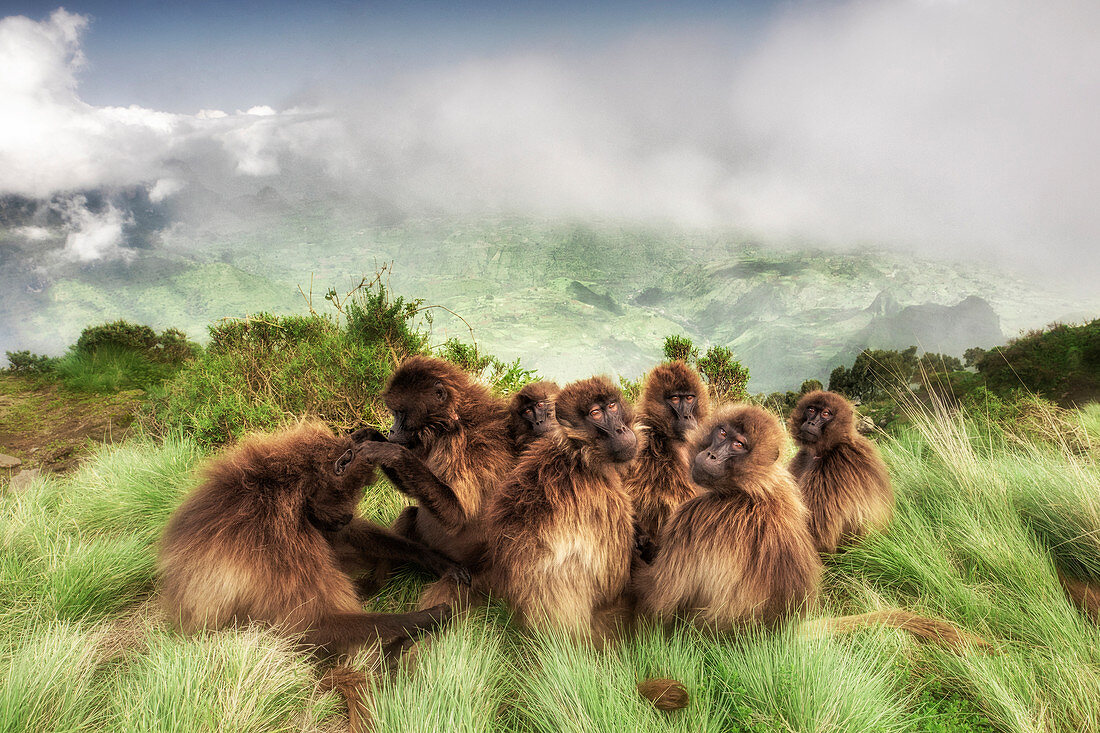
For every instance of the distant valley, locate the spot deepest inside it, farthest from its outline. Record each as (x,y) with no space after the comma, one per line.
(568,298)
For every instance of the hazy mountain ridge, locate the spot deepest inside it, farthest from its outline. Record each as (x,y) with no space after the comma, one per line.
(567,298)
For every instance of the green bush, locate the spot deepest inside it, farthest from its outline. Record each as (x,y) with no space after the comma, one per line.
(265,370)
(1061,363)
(26,363)
(726,378)
(680,348)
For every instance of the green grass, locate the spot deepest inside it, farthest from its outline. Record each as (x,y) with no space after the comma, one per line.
(983,518)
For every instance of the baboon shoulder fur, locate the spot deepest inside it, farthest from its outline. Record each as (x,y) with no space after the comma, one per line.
(843,480)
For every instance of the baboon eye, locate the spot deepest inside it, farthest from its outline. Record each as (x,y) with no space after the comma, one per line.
(689,398)
(722,433)
(826,413)
(595,413)
(738,444)
(613,407)
(675,399)
(528,412)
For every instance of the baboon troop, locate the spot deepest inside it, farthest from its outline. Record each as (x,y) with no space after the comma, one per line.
(579,516)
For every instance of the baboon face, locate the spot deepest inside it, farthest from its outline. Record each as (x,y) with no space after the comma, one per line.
(419,409)
(593,410)
(674,399)
(681,404)
(728,445)
(538,412)
(738,440)
(818,417)
(338,480)
(606,417)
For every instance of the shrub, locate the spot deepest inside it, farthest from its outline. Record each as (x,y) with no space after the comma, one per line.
(680,348)
(726,378)
(24,362)
(265,370)
(1061,363)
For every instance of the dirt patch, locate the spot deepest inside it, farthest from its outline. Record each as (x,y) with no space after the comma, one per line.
(52,428)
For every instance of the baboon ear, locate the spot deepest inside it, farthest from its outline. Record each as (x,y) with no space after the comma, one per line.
(440,392)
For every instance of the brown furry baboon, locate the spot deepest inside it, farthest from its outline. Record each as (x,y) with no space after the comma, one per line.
(560,530)
(673,401)
(449,448)
(258,541)
(740,552)
(531,414)
(843,480)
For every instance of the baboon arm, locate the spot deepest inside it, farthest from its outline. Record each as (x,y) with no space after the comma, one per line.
(361,544)
(340,633)
(411,477)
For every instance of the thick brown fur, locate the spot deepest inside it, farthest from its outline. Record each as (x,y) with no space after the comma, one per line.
(258,541)
(520,428)
(924,628)
(454,450)
(738,554)
(665,694)
(560,530)
(1084,594)
(843,479)
(660,477)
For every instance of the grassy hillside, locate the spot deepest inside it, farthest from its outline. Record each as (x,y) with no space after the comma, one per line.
(982,516)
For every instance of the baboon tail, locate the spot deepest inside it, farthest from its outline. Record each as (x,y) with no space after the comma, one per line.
(923,627)
(1083,594)
(351,683)
(664,694)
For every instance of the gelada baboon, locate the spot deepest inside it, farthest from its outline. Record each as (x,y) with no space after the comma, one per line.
(843,480)
(531,414)
(258,541)
(448,449)
(269,537)
(560,531)
(673,401)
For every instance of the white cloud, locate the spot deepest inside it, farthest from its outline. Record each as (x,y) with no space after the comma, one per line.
(93,236)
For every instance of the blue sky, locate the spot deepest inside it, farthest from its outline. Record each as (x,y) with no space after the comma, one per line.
(185,56)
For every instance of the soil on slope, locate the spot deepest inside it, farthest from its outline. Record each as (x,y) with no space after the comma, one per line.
(52,429)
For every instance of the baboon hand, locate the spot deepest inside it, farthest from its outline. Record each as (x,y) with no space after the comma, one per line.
(458,574)
(440,614)
(383,454)
(645,547)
